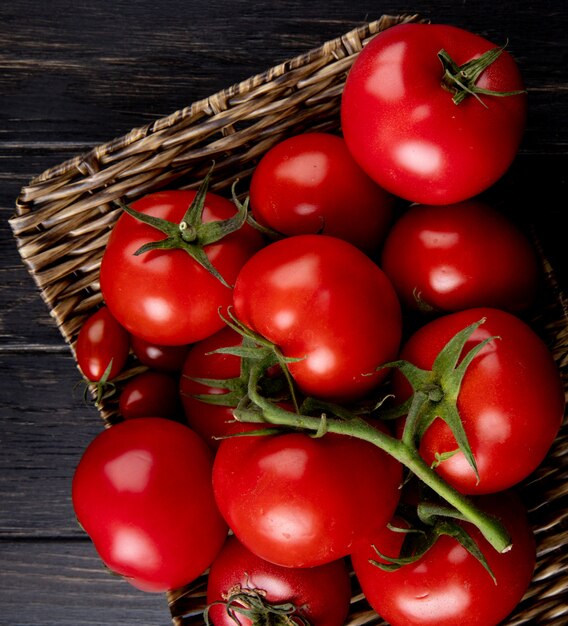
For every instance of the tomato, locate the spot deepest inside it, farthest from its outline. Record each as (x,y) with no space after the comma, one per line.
(324,302)
(511,400)
(300,501)
(212,421)
(165,296)
(460,256)
(150,394)
(161,358)
(310,183)
(142,492)
(448,585)
(321,595)
(402,126)
(101,340)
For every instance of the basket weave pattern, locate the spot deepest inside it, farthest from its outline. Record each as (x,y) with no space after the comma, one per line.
(64,217)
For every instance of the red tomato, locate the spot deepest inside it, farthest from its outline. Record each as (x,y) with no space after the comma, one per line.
(310,184)
(212,421)
(323,301)
(455,257)
(321,595)
(511,400)
(164,296)
(300,501)
(448,585)
(150,394)
(142,492)
(402,126)
(101,340)
(161,358)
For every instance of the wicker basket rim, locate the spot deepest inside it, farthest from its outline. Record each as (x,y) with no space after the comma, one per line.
(202,106)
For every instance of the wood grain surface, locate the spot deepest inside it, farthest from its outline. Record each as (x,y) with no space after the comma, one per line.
(76,74)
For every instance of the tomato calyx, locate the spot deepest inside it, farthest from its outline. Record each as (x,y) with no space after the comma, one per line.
(191,234)
(460,80)
(435,393)
(102,389)
(252,604)
(422,528)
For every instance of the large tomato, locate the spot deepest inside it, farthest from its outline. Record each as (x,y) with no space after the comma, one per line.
(401,123)
(459,256)
(142,491)
(239,579)
(300,501)
(165,296)
(324,302)
(310,183)
(511,400)
(448,585)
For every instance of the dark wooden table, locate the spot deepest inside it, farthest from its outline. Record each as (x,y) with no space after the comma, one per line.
(76,74)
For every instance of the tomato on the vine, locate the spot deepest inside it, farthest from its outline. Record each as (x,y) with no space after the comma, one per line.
(510,401)
(459,256)
(165,296)
(424,112)
(448,585)
(323,302)
(300,501)
(142,491)
(212,420)
(310,183)
(238,579)
(102,343)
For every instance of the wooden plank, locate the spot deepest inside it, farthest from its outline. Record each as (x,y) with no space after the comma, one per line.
(63,583)
(45,426)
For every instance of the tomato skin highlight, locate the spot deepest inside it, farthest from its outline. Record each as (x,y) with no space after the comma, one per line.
(405,131)
(322,594)
(511,400)
(142,492)
(101,340)
(310,183)
(323,301)
(448,586)
(299,501)
(459,256)
(164,296)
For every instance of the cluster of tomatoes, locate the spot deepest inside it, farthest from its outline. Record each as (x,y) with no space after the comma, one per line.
(338,372)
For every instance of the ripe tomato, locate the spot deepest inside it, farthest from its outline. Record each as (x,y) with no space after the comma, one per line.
(101,340)
(511,400)
(310,183)
(459,256)
(322,300)
(150,394)
(212,421)
(402,126)
(448,585)
(320,595)
(300,501)
(142,492)
(161,358)
(165,296)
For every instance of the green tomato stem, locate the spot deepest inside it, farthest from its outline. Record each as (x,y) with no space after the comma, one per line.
(401,450)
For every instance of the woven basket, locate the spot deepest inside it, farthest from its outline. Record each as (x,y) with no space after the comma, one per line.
(64,217)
